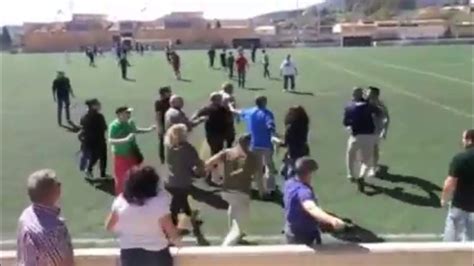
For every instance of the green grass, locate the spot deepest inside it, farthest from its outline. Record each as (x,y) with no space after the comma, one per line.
(429,112)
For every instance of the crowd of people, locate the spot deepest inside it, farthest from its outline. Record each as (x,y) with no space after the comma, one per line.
(148,207)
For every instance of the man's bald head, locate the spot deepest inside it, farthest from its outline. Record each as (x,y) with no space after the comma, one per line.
(177,101)
(468,138)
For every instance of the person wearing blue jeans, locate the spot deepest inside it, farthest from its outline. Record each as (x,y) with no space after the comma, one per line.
(302,213)
(460,185)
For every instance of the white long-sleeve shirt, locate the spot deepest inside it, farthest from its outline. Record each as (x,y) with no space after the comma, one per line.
(288,68)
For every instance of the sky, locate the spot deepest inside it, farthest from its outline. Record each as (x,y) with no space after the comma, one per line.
(19,11)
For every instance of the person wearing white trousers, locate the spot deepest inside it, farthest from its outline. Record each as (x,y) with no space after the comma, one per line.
(359,121)
(239,164)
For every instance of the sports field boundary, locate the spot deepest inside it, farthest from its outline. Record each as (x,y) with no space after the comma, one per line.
(265,239)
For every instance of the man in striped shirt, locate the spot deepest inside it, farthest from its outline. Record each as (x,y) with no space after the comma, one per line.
(43,238)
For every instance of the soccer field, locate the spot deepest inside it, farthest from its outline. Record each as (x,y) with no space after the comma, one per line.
(429,91)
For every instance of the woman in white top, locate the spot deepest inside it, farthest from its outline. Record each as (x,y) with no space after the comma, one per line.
(140,217)
(288,70)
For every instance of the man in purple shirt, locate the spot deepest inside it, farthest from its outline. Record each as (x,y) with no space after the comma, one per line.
(359,121)
(302,214)
(43,238)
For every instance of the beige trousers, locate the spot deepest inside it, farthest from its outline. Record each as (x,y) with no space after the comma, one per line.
(360,151)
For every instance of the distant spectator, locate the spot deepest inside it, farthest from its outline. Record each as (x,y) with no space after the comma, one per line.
(359,121)
(254,52)
(124,65)
(266,64)
(43,238)
(289,72)
(183,164)
(240,165)
(296,138)
(261,126)
(126,152)
(242,66)
(230,64)
(61,91)
(162,105)
(141,219)
(223,58)
(302,213)
(211,53)
(460,185)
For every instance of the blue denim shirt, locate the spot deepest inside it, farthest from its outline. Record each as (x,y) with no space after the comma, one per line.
(261,126)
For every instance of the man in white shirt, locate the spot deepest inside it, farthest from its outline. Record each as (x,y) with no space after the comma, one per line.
(288,70)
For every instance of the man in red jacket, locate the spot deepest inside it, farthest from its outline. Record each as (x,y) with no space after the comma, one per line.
(242,65)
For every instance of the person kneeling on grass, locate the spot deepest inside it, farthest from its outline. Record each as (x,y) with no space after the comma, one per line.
(302,214)
(183,164)
(240,164)
(141,219)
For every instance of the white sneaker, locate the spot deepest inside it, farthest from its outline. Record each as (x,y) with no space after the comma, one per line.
(372,172)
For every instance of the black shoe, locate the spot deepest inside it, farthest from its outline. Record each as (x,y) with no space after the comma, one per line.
(361,184)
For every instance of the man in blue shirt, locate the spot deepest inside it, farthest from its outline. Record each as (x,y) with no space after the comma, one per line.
(359,121)
(302,214)
(261,126)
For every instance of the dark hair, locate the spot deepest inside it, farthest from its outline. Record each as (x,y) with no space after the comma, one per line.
(164,90)
(297,115)
(142,184)
(305,165)
(261,101)
(469,134)
(92,102)
(374,90)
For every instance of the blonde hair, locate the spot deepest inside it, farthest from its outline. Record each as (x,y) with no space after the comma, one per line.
(176,135)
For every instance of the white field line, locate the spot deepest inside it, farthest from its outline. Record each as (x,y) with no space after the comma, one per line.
(252,238)
(422,72)
(399,90)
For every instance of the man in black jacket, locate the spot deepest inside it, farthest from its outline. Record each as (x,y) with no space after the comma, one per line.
(61,91)
(92,135)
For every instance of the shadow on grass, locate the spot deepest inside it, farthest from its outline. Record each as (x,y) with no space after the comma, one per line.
(353,233)
(275,79)
(432,190)
(130,80)
(303,93)
(71,127)
(105,185)
(185,80)
(254,89)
